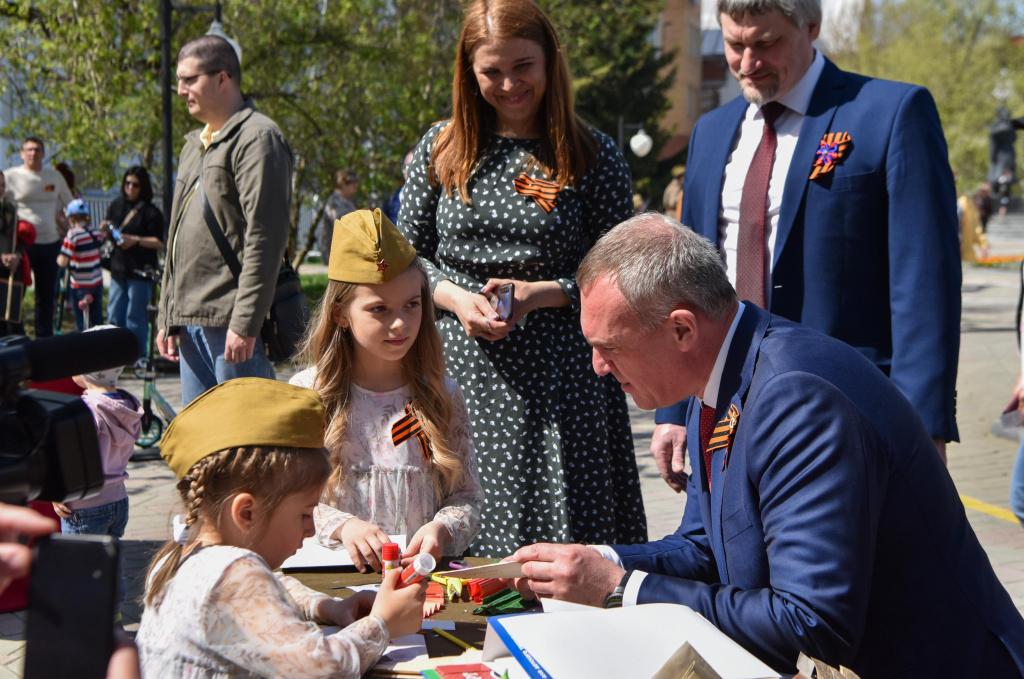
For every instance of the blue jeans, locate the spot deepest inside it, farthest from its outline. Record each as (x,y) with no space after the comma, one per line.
(201,348)
(126,307)
(1017,485)
(109,519)
(95,307)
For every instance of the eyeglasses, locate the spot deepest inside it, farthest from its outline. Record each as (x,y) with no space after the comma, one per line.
(190,80)
(32,149)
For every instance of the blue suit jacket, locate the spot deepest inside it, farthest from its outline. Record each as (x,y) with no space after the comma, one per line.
(832,526)
(869,253)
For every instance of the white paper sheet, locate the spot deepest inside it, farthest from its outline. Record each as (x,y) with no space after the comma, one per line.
(633,641)
(403,650)
(314,555)
(556,605)
(505,569)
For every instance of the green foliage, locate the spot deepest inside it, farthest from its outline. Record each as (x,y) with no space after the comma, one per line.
(313,287)
(617,71)
(961,51)
(352,83)
(83,74)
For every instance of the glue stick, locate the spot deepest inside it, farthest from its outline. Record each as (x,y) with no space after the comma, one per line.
(390,556)
(420,568)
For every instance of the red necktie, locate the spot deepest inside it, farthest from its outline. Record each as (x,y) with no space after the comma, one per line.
(751,253)
(707,425)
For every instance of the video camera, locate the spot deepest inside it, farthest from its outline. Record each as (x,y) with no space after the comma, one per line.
(48,445)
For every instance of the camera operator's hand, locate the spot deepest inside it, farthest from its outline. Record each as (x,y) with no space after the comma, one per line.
(14,557)
(124,661)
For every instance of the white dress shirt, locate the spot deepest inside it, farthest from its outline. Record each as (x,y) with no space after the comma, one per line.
(632,589)
(787,132)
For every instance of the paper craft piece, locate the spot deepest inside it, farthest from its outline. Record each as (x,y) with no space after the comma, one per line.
(446,625)
(403,650)
(313,555)
(506,569)
(370,587)
(633,641)
(435,599)
(812,668)
(686,663)
(463,671)
(482,588)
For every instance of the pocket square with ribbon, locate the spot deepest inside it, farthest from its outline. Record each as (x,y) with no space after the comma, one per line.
(544,192)
(406,428)
(833,148)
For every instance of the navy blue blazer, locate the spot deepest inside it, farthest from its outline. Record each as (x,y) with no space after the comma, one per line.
(868,253)
(832,527)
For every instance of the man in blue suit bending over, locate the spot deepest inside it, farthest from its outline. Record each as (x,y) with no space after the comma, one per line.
(818,517)
(831,198)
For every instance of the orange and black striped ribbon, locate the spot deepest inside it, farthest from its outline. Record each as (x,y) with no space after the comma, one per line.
(722,434)
(409,426)
(831,150)
(541,190)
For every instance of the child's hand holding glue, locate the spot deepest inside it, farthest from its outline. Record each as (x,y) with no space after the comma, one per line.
(400,607)
(432,538)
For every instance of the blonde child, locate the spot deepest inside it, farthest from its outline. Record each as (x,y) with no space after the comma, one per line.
(249,459)
(401,453)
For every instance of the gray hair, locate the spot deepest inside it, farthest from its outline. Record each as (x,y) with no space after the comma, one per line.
(659,265)
(214,54)
(800,12)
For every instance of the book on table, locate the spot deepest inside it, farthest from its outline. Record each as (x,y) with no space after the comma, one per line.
(632,641)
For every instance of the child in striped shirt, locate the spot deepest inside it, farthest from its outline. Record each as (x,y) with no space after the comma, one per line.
(81,252)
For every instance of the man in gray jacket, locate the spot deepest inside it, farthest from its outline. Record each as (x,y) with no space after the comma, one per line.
(241,164)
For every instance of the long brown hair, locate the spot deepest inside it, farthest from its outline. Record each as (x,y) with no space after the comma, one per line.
(269,474)
(567,147)
(331,350)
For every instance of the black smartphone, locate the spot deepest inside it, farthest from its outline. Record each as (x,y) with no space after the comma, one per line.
(504,301)
(72,597)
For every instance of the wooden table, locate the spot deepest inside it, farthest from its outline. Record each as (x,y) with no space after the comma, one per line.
(468,627)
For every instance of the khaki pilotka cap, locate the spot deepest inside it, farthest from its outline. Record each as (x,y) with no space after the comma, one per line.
(248,411)
(367,248)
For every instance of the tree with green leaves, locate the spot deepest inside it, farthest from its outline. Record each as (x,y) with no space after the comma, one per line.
(963,52)
(618,73)
(351,83)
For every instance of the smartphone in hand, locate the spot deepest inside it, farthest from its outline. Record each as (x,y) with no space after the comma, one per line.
(72,600)
(503,301)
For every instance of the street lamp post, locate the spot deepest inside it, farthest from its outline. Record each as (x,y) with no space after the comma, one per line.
(640,143)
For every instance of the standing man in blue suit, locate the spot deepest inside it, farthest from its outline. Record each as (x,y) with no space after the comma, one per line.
(818,516)
(841,216)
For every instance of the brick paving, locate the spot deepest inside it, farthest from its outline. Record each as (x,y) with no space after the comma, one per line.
(980,465)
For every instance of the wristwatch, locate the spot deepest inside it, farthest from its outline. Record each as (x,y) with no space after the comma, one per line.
(614,600)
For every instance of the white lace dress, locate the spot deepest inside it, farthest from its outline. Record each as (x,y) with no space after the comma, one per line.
(225,614)
(391,484)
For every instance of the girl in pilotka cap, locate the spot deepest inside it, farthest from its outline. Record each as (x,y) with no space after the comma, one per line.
(250,464)
(401,453)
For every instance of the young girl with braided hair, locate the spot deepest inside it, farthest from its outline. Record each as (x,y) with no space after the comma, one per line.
(398,433)
(251,467)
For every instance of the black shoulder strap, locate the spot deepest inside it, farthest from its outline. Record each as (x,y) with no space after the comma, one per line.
(218,234)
